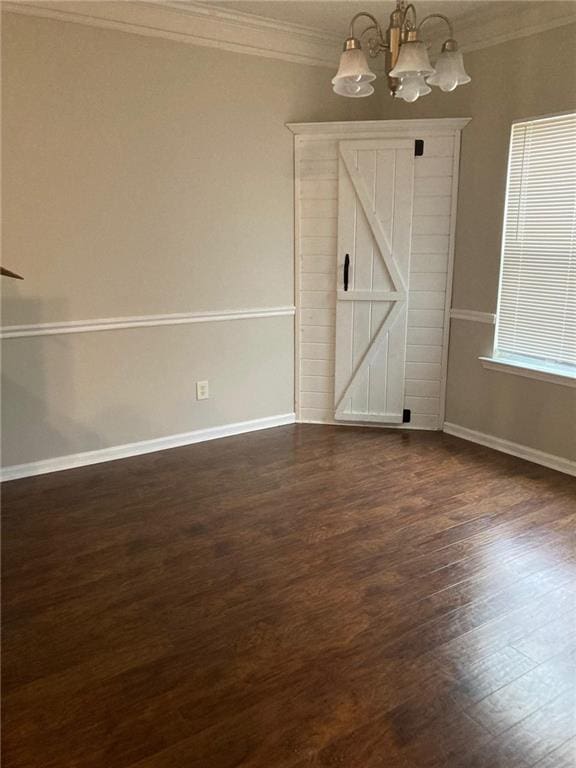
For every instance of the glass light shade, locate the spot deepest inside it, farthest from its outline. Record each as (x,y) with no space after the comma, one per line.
(354,75)
(450,72)
(412,60)
(412,87)
(352,90)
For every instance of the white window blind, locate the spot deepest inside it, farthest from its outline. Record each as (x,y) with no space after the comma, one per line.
(536,318)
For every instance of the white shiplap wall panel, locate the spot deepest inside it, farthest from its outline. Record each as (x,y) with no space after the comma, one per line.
(433,167)
(431,225)
(316,384)
(315,350)
(432,206)
(324,189)
(435,186)
(425,318)
(318,299)
(421,388)
(317,317)
(314,208)
(318,169)
(425,336)
(420,353)
(317,189)
(424,371)
(428,244)
(317,333)
(322,368)
(316,227)
(312,281)
(317,265)
(317,246)
(428,262)
(428,281)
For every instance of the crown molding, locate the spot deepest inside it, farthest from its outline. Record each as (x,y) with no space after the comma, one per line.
(489,26)
(195,24)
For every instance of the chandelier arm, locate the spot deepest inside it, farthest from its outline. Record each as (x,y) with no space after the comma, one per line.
(375,25)
(445,19)
(372,26)
(410,7)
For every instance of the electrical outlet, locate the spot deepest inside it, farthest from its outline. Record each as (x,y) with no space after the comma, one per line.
(202,390)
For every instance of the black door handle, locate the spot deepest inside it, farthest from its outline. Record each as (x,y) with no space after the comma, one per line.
(346,271)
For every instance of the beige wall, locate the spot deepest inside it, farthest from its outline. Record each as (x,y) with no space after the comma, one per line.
(520,79)
(78,392)
(143,176)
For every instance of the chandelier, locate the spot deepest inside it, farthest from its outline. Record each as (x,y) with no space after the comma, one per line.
(410,73)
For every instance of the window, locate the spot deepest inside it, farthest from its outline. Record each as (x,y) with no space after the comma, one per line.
(536,317)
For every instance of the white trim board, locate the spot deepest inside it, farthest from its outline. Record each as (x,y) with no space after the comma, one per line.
(381,129)
(450,273)
(549,460)
(142,321)
(528,371)
(419,423)
(473,316)
(86,458)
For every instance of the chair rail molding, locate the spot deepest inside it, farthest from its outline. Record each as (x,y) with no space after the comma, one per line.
(141,321)
(198,23)
(473,316)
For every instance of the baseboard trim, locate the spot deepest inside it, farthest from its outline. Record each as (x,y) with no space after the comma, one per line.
(549,460)
(18,471)
(368,425)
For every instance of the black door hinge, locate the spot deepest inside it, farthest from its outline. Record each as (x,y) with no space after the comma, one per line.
(418,147)
(406,416)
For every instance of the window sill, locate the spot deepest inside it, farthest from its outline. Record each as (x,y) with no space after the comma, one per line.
(530,371)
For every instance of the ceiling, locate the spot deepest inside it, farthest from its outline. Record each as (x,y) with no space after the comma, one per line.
(333,16)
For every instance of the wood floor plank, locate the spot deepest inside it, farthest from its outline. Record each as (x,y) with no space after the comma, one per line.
(549,640)
(563,756)
(481,675)
(518,699)
(302,596)
(513,626)
(547,729)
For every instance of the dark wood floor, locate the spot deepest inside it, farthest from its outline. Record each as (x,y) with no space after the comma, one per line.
(302,596)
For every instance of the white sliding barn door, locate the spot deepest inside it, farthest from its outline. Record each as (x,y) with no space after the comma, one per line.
(375,191)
